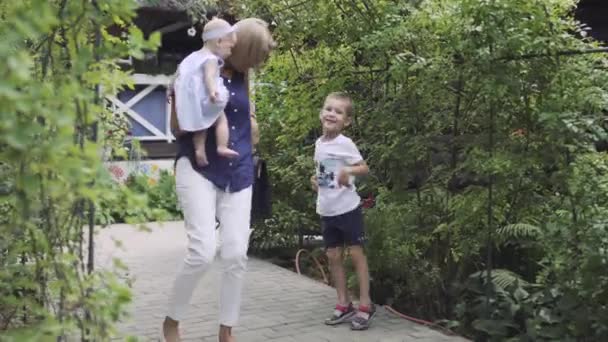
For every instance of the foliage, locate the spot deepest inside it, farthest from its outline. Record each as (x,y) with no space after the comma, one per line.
(57,58)
(480,136)
(567,299)
(280,230)
(141,199)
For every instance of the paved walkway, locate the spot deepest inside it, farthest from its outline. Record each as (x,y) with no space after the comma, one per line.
(278,306)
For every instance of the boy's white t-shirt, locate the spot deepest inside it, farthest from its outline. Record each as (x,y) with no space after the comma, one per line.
(330,157)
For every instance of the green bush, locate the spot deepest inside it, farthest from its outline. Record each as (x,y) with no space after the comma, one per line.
(140,199)
(281,230)
(568,298)
(480,136)
(59,59)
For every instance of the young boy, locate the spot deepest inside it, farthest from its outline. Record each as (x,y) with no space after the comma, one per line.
(337,162)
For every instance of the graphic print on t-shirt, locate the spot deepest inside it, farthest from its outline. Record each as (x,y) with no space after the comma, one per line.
(327,172)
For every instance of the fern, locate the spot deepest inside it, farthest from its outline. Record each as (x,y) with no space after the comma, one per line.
(518,232)
(503,279)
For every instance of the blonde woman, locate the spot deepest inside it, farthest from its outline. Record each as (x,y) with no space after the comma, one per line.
(222,189)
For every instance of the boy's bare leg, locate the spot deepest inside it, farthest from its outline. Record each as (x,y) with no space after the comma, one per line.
(170,330)
(200,154)
(222,134)
(366,310)
(336,267)
(360,263)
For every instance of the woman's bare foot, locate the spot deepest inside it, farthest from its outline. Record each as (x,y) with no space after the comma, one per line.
(171,330)
(225,334)
(226,152)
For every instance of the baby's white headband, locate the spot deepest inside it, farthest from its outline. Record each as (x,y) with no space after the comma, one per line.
(218,33)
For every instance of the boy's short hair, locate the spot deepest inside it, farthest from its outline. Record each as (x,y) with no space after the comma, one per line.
(340,95)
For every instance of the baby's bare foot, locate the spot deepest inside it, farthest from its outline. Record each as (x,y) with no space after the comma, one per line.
(201,158)
(226,152)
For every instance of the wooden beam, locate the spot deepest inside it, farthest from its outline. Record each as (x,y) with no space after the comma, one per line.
(173,27)
(139,96)
(138,118)
(164,80)
(168,133)
(147,138)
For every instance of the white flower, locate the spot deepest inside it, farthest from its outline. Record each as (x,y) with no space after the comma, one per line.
(192,31)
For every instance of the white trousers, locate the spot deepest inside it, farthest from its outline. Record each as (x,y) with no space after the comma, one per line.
(201,203)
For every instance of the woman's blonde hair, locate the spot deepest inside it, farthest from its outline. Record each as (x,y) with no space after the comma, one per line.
(253,45)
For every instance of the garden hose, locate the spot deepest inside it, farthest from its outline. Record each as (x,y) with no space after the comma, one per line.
(390,309)
(315,260)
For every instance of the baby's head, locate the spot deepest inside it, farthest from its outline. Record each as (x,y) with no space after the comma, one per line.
(336,113)
(219,37)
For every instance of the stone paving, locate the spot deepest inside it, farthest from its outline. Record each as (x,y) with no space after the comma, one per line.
(279,305)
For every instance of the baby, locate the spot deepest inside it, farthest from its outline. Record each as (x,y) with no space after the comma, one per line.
(200,94)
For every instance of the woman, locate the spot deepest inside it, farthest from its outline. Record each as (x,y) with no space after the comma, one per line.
(220,190)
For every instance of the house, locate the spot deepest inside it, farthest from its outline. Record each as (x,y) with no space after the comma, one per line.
(146,106)
(594,13)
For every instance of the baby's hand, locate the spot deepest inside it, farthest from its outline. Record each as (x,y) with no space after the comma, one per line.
(344,177)
(214,96)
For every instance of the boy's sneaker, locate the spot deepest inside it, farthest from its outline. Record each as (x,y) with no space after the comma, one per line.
(341,314)
(363,318)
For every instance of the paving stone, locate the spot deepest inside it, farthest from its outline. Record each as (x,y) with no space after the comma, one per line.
(278,304)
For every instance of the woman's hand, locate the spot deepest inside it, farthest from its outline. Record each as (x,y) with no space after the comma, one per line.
(255,131)
(313,182)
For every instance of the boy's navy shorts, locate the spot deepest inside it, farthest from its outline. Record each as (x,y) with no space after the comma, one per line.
(343,230)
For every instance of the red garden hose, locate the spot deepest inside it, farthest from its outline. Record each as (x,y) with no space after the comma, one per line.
(387,307)
(316,261)
(421,321)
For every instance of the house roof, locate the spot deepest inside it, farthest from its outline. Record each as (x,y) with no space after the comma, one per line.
(192,7)
(169,5)
(155,14)
(594,14)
